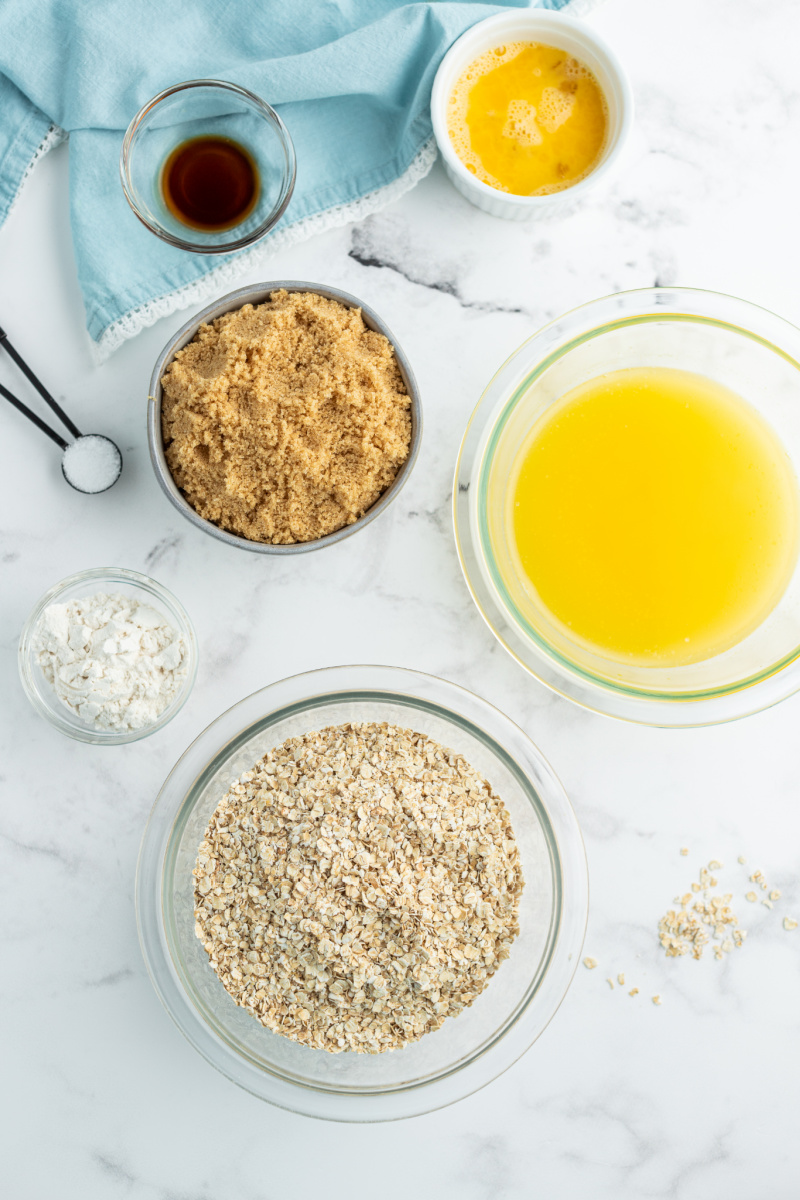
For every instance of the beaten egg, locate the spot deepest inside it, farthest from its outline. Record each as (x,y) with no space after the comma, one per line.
(528,119)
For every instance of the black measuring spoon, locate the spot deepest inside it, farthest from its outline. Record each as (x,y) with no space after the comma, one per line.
(90,464)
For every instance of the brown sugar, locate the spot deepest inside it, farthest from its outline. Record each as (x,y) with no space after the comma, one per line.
(285,421)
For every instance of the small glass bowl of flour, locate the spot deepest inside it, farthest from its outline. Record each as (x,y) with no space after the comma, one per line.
(108,656)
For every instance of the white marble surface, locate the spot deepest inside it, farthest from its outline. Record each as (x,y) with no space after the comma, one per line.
(101,1097)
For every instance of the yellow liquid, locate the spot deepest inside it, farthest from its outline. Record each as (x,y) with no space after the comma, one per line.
(655,517)
(527,119)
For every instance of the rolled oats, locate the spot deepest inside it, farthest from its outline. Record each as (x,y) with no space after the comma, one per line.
(359,885)
(688,928)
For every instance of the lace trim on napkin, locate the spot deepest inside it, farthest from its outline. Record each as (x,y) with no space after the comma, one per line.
(54,136)
(209,286)
(579,8)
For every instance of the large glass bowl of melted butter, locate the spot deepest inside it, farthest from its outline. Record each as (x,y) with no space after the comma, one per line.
(627,508)
(466,1051)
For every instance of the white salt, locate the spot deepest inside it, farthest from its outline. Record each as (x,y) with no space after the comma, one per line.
(92,463)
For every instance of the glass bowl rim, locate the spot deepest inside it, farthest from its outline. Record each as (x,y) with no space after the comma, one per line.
(306,690)
(68,724)
(288,180)
(684,709)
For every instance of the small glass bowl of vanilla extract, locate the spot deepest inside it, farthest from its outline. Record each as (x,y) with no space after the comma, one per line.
(208,166)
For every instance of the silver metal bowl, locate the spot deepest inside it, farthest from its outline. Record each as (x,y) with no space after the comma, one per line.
(257,295)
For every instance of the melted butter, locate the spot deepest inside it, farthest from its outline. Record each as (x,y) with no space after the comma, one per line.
(654,515)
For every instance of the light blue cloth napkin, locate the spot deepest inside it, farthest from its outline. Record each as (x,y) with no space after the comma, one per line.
(350,78)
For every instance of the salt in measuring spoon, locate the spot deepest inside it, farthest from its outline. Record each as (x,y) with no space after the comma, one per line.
(90,464)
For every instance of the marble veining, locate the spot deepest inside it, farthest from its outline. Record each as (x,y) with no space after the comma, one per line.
(370,248)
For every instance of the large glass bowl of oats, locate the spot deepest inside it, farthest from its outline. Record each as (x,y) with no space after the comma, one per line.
(362,893)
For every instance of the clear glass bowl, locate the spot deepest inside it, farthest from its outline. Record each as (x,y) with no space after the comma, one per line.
(75,587)
(749,350)
(466,1052)
(207,107)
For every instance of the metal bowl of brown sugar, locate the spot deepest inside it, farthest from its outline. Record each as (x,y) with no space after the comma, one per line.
(234,301)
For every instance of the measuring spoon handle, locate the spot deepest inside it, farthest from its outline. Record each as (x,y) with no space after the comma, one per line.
(23,408)
(41,389)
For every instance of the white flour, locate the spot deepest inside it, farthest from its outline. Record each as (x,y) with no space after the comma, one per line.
(114,662)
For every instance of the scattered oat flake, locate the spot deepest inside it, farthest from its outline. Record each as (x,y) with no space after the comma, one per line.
(767,903)
(610,983)
(718,952)
(684,850)
(742,859)
(715,865)
(656,999)
(633,992)
(701,916)
(620,979)
(751,896)
(789,923)
(775,894)
(590,963)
